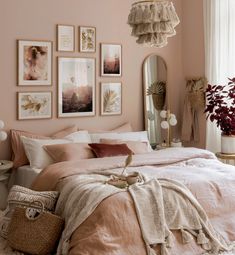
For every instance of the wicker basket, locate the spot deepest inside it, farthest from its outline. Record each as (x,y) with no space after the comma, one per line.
(197,100)
(34,231)
(158,101)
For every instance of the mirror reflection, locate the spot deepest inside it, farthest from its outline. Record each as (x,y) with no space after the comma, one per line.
(155,96)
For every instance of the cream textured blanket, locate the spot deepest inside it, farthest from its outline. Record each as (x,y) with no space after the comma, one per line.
(162,205)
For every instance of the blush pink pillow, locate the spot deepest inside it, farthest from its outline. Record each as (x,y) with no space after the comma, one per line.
(110,150)
(19,157)
(69,151)
(136,146)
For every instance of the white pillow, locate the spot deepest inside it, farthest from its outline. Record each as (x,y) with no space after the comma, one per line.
(79,137)
(37,156)
(141,136)
(95,137)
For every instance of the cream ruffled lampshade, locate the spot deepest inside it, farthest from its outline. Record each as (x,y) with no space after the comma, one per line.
(153,22)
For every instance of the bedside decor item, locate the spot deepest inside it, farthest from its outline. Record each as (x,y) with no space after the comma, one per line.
(3,134)
(34,105)
(111,59)
(152,22)
(169,120)
(111,98)
(5,166)
(76,87)
(65,38)
(87,39)
(34,63)
(220,109)
(33,230)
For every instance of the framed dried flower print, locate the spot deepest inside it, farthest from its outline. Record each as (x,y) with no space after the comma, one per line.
(34,63)
(65,38)
(111,60)
(76,87)
(34,105)
(87,39)
(111,98)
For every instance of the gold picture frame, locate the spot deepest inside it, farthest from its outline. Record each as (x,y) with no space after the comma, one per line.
(65,35)
(34,105)
(111,98)
(87,39)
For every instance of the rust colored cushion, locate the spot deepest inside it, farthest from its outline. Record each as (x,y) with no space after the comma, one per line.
(69,151)
(19,157)
(110,150)
(137,147)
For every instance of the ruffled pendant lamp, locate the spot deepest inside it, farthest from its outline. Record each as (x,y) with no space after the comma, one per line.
(153,21)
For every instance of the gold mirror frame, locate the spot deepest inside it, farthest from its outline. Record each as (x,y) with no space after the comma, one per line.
(155,96)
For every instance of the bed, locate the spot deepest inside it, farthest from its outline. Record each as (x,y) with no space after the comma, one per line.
(112,227)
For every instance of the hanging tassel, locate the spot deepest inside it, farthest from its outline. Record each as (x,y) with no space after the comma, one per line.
(170,240)
(155,17)
(164,14)
(173,17)
(201,238)
(139,15)
(131,17)
(164,250)
(147,14)
(133,33)
(150,250)
(186,236)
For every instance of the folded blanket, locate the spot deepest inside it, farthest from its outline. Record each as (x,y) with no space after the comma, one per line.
(162,205)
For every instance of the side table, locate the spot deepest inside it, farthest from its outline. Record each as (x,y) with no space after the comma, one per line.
(5,166)
(226,158)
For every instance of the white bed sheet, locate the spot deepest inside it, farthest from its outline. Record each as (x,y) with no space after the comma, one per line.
(24,176)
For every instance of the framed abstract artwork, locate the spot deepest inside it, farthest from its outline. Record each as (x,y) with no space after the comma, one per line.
(34,105)
(76,92)
(34,63)
(111,59)
(111,98)
(87,39)
(66,38)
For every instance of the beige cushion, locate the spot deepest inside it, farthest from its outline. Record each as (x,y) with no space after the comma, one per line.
(69,151)
(20,196)
(19,157)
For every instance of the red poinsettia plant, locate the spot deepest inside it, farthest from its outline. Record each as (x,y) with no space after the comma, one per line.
(220,107)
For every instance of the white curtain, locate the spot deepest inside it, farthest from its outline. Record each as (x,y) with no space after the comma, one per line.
(219,26)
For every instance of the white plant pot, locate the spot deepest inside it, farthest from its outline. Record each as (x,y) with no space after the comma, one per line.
(228,144)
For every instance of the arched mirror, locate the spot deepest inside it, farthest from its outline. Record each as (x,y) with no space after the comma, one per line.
(155,96)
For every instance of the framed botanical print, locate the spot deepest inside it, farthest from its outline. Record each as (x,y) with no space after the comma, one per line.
(111,98)
(34,63)
(111,59)
(76,83)
(34,105)
(65,38)
(87,39)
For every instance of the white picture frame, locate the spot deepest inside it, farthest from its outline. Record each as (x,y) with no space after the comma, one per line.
(76,87)
(34,63)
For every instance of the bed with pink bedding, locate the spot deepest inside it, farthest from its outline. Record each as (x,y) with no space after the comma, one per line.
(113,228)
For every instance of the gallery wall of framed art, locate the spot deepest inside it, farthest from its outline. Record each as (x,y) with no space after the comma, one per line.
(77,87)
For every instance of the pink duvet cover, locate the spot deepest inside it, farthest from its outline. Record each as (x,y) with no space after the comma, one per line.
(113,229)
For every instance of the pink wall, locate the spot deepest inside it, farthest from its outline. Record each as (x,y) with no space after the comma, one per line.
(193,52)
(26,20)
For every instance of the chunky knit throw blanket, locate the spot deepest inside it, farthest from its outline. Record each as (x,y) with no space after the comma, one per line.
(162,205)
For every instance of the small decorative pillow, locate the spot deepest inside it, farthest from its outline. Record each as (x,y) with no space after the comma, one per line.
(20,196)
(135,146)
(69,151)
(110,150)
(37,156)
